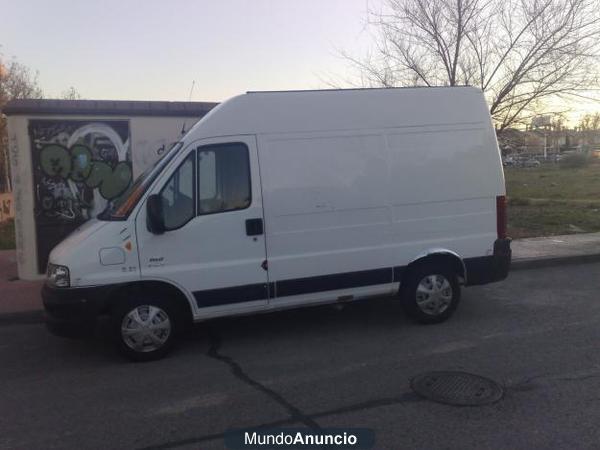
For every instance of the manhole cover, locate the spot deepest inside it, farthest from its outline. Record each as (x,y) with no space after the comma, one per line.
(456,388)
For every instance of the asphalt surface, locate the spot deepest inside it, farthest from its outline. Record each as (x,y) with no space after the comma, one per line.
(536,333)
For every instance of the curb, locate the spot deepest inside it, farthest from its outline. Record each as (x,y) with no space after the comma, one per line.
(552,261)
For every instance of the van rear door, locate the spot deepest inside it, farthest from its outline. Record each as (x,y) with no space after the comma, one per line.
(214,246)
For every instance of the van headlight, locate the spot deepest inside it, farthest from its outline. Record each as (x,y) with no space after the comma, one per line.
(58,275)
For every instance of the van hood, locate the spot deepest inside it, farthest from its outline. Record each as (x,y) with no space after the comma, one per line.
(99,252)
(78,235)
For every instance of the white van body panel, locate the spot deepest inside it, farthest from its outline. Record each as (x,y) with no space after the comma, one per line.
(331,213)
(82,252)
(352,186)
(211,250)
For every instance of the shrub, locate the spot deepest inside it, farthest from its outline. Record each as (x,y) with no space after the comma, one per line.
(575,160)
(7,235)
(518,201)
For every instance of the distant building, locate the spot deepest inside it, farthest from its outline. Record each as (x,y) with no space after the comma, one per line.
(514,142)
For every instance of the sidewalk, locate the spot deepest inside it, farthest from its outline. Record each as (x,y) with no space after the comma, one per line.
(540,252)
(20,300)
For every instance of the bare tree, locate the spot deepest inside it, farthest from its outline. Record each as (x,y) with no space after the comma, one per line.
(16,81)
(590,122)
(521,53)
(559,122)
(70,94)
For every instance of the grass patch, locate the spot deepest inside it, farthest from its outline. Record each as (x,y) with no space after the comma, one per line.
(552,219)
(553,200)
(554,182)
(575,160)
(7,235)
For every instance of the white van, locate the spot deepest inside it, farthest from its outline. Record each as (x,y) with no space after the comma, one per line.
(278,200)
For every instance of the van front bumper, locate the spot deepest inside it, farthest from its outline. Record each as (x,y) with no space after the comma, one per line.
(72,312)
(489,269)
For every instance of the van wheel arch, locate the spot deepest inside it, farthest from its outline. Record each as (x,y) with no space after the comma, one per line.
(430,287)
(153,288)
(445,259)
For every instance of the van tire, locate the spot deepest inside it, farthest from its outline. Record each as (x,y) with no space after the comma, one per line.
(156,342)
(446,293)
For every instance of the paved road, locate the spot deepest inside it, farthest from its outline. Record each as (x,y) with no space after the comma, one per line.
(536,333)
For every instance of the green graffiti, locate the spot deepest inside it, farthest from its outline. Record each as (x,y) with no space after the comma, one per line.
(47,202)
(117,181)
(55,161)
(77,165)
(81,162)
(111,182)
(100,172)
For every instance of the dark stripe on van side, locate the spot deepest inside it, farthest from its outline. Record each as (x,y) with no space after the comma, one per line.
(253,292)
(331,282)
(230,295)
(480,270)
(398,272)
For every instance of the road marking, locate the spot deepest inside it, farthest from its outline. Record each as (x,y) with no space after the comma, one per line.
(199,401)
(453,346)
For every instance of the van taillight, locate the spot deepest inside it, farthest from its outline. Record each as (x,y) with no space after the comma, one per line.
(501,219)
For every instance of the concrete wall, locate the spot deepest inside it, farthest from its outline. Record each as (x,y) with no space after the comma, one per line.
(22,181)
(149,138)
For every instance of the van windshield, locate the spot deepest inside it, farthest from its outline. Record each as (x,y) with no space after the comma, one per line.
(121,207)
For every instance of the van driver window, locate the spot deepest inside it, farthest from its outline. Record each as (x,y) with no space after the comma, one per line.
(223,178)
(178,195)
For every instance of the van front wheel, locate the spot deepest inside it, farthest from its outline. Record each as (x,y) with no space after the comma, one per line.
(145,330)
(430,294)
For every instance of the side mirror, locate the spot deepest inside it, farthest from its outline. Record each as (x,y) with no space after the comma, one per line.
(155,219)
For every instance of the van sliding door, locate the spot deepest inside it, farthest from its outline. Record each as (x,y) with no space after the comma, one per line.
(327,209)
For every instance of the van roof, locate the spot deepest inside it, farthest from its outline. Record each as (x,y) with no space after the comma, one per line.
(343,109)
(358,89)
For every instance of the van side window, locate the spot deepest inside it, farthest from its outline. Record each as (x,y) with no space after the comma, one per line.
(178,195)
(223,178)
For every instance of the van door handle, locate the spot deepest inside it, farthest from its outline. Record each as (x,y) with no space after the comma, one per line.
(254,227)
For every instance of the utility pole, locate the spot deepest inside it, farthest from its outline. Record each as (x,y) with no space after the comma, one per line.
(545,143)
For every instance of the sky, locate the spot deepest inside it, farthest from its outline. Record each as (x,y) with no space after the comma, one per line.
(155,50)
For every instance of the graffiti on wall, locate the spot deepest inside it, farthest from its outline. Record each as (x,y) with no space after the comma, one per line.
(7,210)
(154,139)
(78,168)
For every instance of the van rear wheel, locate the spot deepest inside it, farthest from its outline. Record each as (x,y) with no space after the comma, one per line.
(431,293)
(145,329)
